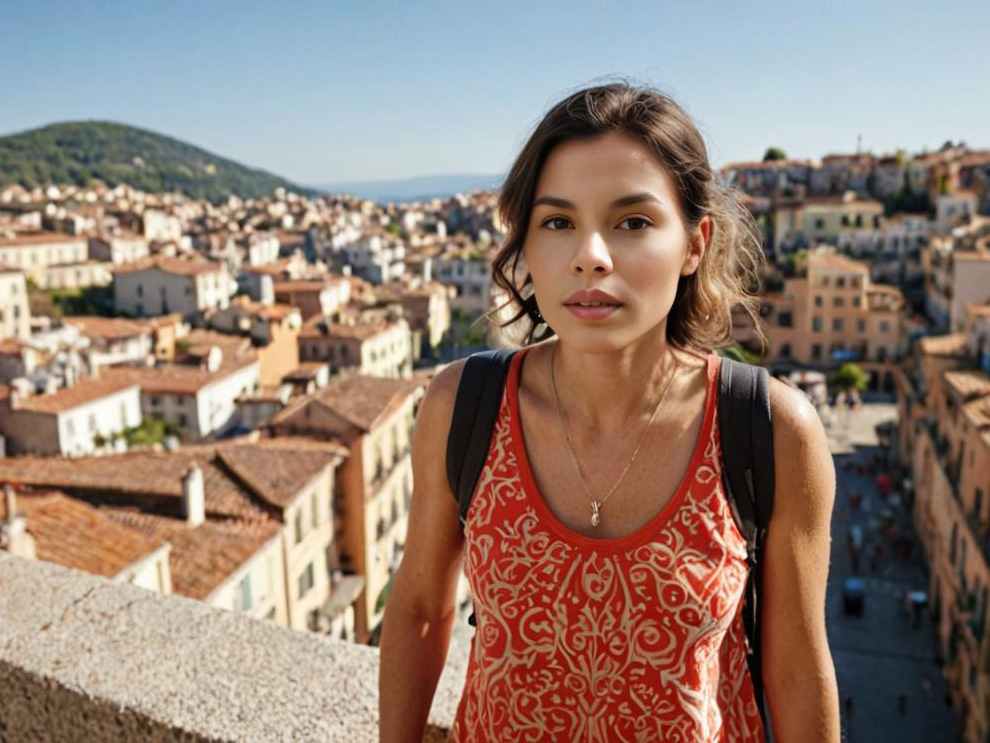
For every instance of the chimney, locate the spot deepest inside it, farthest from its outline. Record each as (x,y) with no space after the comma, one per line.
(14,537)
(193,496)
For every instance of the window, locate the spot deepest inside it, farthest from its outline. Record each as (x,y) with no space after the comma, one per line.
(785,351)
(819,223)
(836,323)
(884,326)
(819,301)
(816,351)
(857,301)
(242,599)
(785,320)
(841,282)
(816,324)
(140,290)
(876,221)
(861,325)
(298,525)
(306,580)
(859,220)
(838,301)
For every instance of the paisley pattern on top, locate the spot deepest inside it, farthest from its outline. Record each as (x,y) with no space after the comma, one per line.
(638,638)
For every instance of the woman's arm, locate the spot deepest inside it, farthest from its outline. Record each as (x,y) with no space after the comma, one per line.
(420,610)
(798,672)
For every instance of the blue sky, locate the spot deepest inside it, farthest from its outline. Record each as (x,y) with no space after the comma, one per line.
(331,91)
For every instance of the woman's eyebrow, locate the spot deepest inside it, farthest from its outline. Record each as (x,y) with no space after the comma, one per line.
(634,198)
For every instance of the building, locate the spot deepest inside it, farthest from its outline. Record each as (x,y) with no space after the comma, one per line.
(830,313)
(198,396)
(122,248)
(841,221)
(945,443)
(161,286)
(72,533)
(379,348)
(427,310)
(33,251)
(15,313)
(957,274)
(71,422)
(250,525)
(273,328)
(470,273)
(373,418)
(112,340)
(314,297)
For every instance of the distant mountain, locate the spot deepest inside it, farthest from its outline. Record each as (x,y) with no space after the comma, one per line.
(84,151)
(419,188)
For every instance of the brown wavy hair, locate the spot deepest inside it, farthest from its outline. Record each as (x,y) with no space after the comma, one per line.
(729,274)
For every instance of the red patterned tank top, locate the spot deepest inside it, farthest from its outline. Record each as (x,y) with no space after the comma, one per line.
(637,638)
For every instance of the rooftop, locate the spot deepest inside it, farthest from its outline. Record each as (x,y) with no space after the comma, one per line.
(86,391)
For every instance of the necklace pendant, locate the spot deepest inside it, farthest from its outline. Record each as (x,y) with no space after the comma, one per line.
(595,505)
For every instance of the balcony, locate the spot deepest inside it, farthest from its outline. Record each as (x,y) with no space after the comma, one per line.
(85,658)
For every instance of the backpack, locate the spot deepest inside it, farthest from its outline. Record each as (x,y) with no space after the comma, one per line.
(747,464)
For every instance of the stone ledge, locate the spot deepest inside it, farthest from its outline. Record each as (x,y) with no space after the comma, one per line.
(85,658)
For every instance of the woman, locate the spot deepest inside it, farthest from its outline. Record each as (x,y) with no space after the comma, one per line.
(605,567)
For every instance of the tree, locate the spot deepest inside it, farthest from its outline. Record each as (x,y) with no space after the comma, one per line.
(849,376)
(774,153)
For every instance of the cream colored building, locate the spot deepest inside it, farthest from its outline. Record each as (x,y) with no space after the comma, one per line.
(957,273)
(34,251)
(119,249)
(841,221)
(373,417)
(15,313)
(945,412)
(427,309)
(314,297)
(373,348)
(470,273)
(831,312)
(165,285)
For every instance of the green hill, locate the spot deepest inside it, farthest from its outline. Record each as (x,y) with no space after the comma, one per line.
(87,151)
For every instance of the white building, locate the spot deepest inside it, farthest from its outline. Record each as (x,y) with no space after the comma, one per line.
(72,421)
(165,285)
(118,249)
(472,277)
(201,401)
(15,314)
(375,258)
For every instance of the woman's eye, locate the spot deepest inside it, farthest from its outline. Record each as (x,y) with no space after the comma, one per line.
(553,220)
(645,223)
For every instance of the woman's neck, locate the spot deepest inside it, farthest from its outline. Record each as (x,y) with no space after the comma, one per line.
(608,392)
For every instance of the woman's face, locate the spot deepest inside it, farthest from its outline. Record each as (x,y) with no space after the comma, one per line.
(606,216)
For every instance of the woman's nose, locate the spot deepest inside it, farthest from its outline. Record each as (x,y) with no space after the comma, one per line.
(592,255)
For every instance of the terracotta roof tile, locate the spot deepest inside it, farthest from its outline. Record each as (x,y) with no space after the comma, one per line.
(276,476)
(361,400)
(73,533)
(204,556)
(943,345)
(968,383)
(81,393)
(978,412)
(107,328)
(174,266)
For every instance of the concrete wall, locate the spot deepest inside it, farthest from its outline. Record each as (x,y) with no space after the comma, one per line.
(84,658)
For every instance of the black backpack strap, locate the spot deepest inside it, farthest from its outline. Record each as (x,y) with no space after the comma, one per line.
(479,395)
(746,434)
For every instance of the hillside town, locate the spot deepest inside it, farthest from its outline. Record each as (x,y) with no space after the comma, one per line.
(217,400)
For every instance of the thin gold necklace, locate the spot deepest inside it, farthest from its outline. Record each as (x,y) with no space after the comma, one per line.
(596,505)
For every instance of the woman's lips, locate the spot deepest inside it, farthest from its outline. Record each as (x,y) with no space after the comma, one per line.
(593,313)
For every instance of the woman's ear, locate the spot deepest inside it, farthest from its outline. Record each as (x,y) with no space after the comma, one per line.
(697,246)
